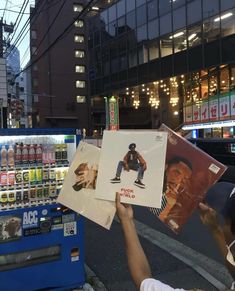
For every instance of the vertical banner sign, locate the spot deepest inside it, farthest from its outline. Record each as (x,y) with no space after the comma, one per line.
(196,114)
(106,113)
(112,122)
(224,106)
(188,117)
(204,112)
(214,109)
(232,104)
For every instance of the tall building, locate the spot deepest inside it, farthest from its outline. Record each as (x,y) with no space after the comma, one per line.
(59,71)
(13,58)
(170,61)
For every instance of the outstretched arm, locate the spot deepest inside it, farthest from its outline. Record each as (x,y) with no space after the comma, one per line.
(209,218)
(137,261)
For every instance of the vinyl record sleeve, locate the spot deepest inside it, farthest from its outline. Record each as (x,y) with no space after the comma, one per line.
(132,163)
(78,190)
(189,173)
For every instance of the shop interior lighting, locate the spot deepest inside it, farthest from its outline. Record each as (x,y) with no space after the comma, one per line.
(178,34)
(209,125)
(192,36)
(223,16)
(95,8)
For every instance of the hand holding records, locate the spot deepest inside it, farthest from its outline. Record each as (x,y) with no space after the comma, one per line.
(78,191)
(189,173)
(129,160)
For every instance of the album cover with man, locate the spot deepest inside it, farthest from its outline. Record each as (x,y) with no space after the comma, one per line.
(132,163)
(78,190)
(189,173)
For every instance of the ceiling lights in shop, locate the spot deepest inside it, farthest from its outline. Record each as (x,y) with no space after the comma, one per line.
(174,97)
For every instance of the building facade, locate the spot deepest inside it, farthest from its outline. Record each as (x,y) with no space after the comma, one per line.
(165,61)
(58,65)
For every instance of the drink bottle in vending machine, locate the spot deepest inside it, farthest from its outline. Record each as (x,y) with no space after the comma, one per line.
(38,236)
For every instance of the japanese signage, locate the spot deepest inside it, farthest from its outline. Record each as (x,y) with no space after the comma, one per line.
(112,113)
(214,109)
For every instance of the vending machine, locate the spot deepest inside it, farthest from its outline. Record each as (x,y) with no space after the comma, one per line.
(41,242)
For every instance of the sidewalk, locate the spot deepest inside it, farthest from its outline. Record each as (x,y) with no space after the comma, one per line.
(174,263)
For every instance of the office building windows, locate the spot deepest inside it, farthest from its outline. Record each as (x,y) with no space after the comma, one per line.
(121,8)
(130,5)
(194,35)
(153,29)
(152,9)
(153,50)
(179,18)
(81,99)
(130,20)
(78,38)
(142,33)
(165,24)
(79,54)
(141,15)
(79,69)
(166,45)
(79,23)
(226,4)
(194,12)
(227,22)
(33,34)
(112,13)
(211,29)
(210,8)
(77,7)
(164,7)
(80,84)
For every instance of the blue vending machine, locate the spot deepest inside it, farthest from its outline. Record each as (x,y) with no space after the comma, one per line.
(41,242)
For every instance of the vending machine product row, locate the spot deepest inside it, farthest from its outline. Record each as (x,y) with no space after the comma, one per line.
(41,242)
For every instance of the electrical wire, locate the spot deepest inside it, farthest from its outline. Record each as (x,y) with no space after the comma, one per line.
(17,40)
(68,28)
(4,9)
(49,27)
(25,3)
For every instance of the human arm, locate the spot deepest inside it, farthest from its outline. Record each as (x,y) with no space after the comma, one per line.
(137,261)
(210,219)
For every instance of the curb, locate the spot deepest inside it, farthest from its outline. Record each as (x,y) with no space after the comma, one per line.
(94,280)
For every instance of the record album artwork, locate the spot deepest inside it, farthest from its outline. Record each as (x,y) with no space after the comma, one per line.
(132,163)
(189,173)
(78,190)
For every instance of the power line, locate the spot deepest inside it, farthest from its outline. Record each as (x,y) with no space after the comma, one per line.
(19,16)
(17,40)
(48,29)
(66,30)
(4,9)
(15,43)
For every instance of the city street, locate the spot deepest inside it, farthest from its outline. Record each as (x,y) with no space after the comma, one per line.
(199,266)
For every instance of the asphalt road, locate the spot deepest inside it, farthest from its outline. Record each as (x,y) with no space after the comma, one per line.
(105,253)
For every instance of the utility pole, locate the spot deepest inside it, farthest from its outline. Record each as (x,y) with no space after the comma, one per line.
(3,99)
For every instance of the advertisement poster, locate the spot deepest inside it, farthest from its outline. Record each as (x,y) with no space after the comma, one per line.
(10,228)
(188,114)
(78,191)
(189,173)
(224,107)
(132,163)
(214,109)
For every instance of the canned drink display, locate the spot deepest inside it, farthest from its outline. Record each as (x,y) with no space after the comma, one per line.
(25,176)
(39,175)
(11,178)
(52,174)
(45,174)
(39,192)
(46,191)
(3,178)
(18,177)
(52,190)
(32,193)
(32,175)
